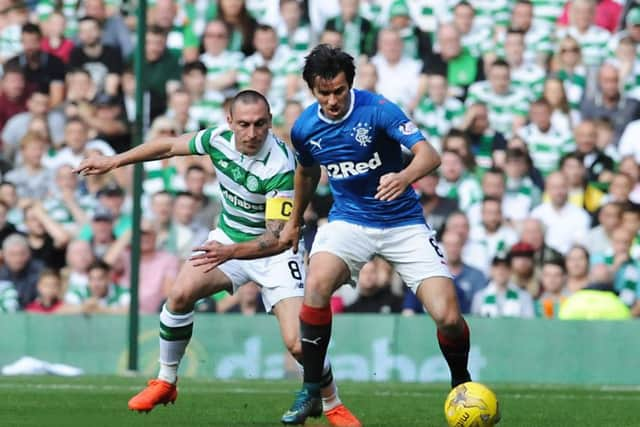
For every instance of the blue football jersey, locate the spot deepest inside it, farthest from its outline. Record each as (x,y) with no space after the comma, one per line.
(357,150)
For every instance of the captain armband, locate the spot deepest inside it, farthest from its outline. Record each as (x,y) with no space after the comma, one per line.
(279,208)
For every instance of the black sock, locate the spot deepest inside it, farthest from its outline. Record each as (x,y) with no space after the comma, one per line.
(456,352)
(315,329)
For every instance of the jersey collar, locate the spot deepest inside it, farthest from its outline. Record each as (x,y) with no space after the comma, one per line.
(352,95)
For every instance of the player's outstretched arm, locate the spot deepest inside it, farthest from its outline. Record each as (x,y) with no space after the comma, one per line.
(213,253)
(425,160)
(305,183)
(159,148)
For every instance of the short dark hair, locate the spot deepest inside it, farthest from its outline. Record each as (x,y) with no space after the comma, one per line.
(495,170)
(99,265)
(573,155)
(194,66)
(13,68)
(631,207)
(30,28)
(327,62)
(525,2)
(262,69)
(487,199)
(87,18)
(517,31)
(557,260)
(264,27)
(184,194)
(464,3)
(249,96)
(500,63)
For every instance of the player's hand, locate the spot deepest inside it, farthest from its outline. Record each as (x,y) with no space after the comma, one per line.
(290,235)
(95,164)
(391,186)
(211,254)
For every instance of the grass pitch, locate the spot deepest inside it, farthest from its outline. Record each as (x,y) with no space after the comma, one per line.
(102,401)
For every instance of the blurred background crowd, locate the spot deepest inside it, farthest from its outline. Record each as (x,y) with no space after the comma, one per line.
(534,106)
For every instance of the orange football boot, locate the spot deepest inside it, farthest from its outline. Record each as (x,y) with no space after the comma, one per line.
(157,392)
(340,416)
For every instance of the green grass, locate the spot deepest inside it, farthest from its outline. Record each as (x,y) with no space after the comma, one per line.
(102,401)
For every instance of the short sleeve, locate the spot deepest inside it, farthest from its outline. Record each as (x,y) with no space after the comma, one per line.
(303,156)
(397,125)
(200,143)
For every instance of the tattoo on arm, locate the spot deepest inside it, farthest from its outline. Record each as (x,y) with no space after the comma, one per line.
(271,236)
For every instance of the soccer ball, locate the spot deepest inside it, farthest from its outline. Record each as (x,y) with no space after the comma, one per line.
(471,405)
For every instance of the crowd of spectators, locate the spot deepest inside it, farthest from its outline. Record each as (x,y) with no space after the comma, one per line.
(534,106)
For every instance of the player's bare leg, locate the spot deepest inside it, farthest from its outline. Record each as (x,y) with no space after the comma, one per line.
(438,295)
(326,273)
(288,311)
(176,326)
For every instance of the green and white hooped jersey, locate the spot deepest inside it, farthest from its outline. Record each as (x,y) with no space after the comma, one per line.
(491,13)
(528,78)
(546,148)
(436,120)
(512,302)
(574,85)
(283,63)
(593,43)
(69,9)
(117,296)
(502,107)
(547,11)
(221,64)
(246,182)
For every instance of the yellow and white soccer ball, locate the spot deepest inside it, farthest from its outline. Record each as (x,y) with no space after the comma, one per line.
(471,405)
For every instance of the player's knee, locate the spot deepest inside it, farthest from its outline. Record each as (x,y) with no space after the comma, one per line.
(180,299)
(449,318)
(318,292)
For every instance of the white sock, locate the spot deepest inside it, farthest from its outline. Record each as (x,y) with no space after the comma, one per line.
(175,333)
(168,373)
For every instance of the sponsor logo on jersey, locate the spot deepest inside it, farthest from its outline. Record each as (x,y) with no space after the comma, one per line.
(347,169)
(237,201)
(361,133)
(408,128)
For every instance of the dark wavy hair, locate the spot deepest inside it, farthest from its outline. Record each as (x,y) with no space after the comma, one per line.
(327,62)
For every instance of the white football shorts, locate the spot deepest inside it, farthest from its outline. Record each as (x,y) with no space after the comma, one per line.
(280,276)
(412,249)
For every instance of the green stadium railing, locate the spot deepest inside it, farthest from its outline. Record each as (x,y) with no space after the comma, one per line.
(363,348)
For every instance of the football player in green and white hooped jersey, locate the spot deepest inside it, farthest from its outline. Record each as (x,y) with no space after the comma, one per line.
(256,172)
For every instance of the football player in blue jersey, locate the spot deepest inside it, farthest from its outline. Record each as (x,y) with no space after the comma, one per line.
(357,136)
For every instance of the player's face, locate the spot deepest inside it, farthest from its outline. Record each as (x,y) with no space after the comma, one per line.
(333,96)
(250,122)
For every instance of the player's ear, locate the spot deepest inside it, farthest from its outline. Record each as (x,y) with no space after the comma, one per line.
(229,118)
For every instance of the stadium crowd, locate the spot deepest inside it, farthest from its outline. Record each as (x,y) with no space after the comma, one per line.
(534,106)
